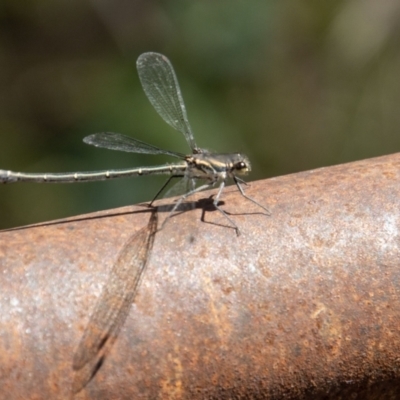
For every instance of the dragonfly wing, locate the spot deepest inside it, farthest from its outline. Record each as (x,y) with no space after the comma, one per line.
(162,89)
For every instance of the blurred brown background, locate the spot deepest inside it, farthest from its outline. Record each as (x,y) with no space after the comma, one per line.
(294,85)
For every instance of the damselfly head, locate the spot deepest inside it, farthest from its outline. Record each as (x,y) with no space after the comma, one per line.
(240,164)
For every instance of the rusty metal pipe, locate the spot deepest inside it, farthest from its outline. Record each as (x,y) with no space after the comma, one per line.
(304,304)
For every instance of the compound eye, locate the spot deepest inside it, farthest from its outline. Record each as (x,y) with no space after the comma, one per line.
(240,165)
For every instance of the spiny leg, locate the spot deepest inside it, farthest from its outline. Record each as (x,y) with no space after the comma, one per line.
(236,179)
(241,181)
(184,197)
(215,203)
(162,188)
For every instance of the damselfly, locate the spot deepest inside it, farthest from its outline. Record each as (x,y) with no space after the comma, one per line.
(162,89)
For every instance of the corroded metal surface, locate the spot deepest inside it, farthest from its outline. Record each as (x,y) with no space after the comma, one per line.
(304,304)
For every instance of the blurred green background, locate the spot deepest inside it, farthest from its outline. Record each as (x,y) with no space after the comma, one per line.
(294,85)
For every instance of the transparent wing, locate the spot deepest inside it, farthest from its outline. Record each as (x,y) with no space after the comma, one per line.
(116,141)
(183,186)
(114,304)
(162,89)
(179,189)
